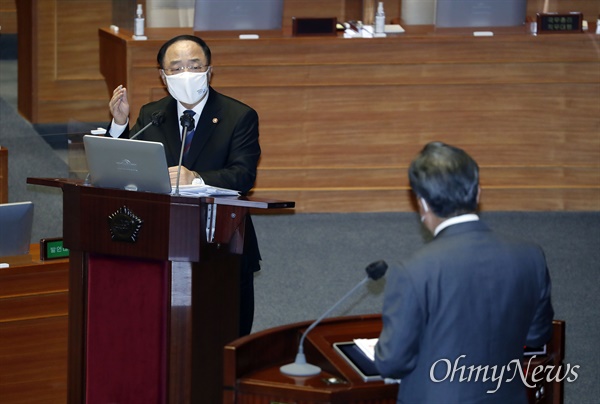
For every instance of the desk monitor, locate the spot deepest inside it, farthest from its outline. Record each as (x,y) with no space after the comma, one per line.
(480,13)
(238,15)
(16,222)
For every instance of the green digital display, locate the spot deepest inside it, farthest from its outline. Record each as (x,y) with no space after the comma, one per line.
(53,249)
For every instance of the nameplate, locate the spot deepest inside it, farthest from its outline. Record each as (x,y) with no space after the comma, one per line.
(52,248)
(559,23)
(314,26)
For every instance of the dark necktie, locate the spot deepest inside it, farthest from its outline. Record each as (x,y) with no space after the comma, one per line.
(189,136)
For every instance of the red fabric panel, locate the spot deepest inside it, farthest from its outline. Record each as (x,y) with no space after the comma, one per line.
(128,302)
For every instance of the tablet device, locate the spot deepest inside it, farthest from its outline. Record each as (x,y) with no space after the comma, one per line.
(360,362)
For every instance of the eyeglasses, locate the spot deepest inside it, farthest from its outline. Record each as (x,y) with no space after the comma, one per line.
(194,69)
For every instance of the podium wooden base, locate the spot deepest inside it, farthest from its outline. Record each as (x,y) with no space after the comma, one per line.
(153,292)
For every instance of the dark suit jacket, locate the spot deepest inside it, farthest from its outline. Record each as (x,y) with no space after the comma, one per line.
(224,150)
(468,292)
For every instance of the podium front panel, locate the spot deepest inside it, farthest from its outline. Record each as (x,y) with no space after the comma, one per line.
(127,328)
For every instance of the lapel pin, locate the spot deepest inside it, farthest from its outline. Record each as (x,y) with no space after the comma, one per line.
(215,120)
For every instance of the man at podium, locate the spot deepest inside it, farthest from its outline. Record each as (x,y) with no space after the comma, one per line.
(221,147)
(458,313)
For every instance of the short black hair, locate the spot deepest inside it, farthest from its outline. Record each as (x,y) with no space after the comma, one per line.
(163,49)
(447,178)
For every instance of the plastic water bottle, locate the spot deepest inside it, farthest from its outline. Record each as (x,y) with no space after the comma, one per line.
(380,19)
(138,29)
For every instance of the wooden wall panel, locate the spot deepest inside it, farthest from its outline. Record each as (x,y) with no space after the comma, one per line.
(589,8)
(34,359)
(328,106)
(63,80)
(519,104)
(8,17)
(33,330)
(60,46)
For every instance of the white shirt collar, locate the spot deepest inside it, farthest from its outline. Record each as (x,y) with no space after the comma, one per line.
(469,217)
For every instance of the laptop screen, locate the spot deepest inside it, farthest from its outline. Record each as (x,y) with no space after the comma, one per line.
(134,165)
(16,222)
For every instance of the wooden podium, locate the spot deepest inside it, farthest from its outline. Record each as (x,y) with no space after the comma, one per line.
(153,292)
(252,365)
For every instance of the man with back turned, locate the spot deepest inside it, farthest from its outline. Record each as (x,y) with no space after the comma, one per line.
(469,299)
(223,150)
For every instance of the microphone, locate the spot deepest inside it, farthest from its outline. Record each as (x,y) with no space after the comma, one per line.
(158,117)
(299,367)
(188,123)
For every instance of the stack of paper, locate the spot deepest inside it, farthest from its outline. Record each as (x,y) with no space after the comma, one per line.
(205,190)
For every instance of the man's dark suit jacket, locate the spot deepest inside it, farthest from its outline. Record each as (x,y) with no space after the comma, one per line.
(467,292)
(224,150)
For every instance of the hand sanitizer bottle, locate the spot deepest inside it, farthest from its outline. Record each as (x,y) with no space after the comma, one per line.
(138,29)
(380,19)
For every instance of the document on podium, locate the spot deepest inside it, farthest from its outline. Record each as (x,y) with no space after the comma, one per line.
(205,190)
(367,346)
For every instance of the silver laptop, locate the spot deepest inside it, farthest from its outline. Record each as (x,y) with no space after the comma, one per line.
(16,222)
(133,165)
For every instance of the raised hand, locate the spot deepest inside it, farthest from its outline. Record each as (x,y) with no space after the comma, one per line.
(119,105)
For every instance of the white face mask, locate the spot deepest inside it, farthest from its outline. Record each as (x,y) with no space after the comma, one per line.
(188,88)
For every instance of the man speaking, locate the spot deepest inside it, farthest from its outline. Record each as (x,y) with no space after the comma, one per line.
(221,148)
(469,299)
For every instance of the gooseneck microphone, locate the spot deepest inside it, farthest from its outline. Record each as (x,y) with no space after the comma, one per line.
(158,117)
(299,367)
(188,123)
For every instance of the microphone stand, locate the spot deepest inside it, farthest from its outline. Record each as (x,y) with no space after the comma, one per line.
(300,367)
(187,121)
(158,117)
(141,131)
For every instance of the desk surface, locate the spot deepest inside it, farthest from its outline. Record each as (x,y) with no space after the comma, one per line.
(32,259)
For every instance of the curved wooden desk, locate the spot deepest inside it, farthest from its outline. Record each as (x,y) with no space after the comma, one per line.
(252,366)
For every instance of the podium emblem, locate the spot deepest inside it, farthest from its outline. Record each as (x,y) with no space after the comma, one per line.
(124,225)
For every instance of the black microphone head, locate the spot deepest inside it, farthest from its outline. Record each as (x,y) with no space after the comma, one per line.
(377,269)
(187,121)
(158,117)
